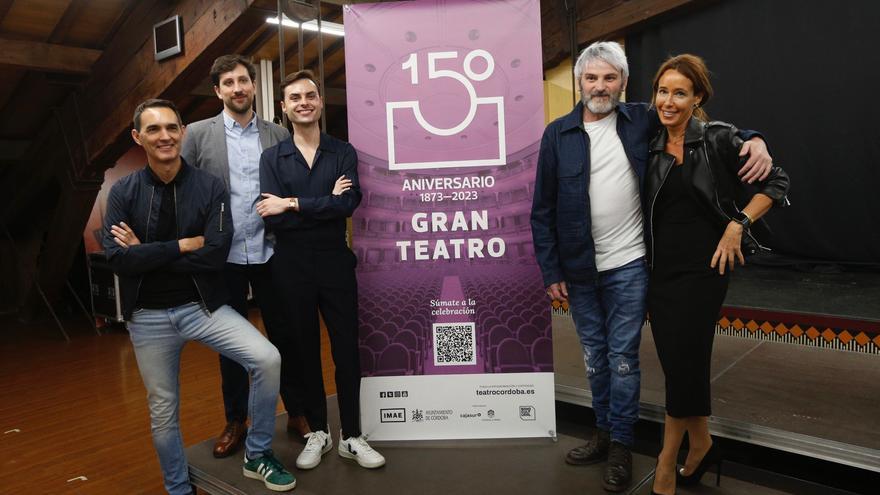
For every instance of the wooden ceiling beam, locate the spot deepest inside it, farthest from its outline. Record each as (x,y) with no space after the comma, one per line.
(5,5)
(124,14)
(127,78)
(71,14)
(47,57)
(622,16)
(597,19)
(91,129)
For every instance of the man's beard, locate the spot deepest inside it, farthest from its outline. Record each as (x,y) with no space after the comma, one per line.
(243,108)
(600,107)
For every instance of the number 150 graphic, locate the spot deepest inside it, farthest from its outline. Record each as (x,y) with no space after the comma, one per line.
(495,102)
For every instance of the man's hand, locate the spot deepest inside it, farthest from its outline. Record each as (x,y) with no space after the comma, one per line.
(190,244)
(342,185)
(271,205)
(759,163)
(558,291)
(123,235)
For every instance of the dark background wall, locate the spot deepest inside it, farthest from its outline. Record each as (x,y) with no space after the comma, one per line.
(806,74)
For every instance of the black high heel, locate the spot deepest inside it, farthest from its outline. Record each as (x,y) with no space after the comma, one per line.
(712,457)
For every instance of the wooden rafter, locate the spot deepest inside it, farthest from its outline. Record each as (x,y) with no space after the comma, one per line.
(124,15)
(622,16)
(47,56)
(71,14)
(128,74)
(597,19)
(4,8)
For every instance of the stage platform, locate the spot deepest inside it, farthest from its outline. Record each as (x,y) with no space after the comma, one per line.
(796,372)
(795,364)
(475,467)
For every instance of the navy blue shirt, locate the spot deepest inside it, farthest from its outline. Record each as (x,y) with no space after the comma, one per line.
(320,220)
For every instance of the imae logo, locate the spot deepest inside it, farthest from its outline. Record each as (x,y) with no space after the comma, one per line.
(397,415)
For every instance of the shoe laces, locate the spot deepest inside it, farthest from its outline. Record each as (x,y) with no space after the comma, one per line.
(361,444)
(617,453)
(316,441)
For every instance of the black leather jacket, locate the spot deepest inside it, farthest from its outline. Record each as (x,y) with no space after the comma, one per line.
(712,149)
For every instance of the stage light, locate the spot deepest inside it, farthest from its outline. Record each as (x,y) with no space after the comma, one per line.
(326,26)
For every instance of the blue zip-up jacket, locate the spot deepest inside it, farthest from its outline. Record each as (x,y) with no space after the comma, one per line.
(202,208)
(561,221)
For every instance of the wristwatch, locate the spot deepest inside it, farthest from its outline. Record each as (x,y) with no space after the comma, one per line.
(293,204)
(743,219)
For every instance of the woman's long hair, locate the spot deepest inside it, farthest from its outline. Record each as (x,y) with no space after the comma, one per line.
(693,68)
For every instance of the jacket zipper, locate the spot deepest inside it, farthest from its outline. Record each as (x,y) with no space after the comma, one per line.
(222,210)
(203,304)
(748,232)
(146,236)
(653,201)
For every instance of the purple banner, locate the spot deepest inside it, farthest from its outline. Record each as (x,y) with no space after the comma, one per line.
(445,103)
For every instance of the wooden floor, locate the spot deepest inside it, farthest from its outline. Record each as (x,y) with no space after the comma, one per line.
(74,418)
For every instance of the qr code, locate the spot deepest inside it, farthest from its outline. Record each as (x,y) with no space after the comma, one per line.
(454,344)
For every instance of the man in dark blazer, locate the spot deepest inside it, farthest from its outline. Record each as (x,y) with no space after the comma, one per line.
(229,146)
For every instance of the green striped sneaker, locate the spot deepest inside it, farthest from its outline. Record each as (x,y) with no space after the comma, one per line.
(270,470)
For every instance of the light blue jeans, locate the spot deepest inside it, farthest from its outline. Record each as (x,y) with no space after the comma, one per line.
(158,336)
(608,314)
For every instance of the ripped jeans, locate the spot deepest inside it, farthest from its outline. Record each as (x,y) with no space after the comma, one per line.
(608,314)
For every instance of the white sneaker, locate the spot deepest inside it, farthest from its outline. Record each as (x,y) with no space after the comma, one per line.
(358,449)
(318,444)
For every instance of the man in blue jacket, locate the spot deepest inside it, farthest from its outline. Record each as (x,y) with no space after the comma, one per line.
(587,231)
(166,234)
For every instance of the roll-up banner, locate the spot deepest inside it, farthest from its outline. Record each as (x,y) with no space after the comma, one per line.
(445,105)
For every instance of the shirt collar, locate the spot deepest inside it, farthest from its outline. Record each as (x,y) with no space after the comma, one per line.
(229,122)
(181,174)
(288,148)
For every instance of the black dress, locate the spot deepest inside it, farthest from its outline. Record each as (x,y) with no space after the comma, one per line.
(684,294)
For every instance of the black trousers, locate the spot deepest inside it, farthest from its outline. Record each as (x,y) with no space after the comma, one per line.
(234,377)
(313,279)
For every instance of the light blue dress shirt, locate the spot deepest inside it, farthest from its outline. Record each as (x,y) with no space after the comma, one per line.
(249,245)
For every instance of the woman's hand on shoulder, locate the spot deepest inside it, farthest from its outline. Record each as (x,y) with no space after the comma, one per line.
(728,250)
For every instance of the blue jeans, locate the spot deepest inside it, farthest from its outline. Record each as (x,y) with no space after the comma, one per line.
(608,314)
(158,337)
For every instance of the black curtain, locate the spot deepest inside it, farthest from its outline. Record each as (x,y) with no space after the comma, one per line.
(805,74)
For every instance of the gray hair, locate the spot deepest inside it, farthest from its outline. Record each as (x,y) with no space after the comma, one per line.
(608,51)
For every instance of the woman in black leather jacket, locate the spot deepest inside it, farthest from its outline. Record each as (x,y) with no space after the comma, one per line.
(698,215)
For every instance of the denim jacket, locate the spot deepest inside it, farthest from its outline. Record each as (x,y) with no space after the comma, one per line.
(561,224)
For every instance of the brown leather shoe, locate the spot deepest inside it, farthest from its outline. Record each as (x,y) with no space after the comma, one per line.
(298,425)
(230,440)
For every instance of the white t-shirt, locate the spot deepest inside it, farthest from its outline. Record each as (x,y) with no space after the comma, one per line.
(615,208)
